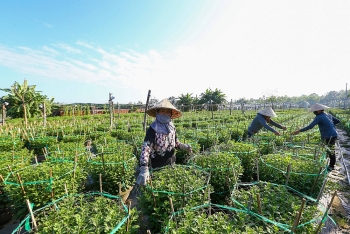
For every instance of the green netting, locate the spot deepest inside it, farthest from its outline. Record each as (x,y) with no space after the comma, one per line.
(43,182)
(115,168)
(280,205)
(224,169)
(79,213)
(302,174)
(214,218)
(186,185)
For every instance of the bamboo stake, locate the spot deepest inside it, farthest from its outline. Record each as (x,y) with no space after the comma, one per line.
(36,159)
(103,160)
(101,183)
(257,170)
(209,209)
(172,209)
(52,192)
(259,203)
(288,173)
(2,179)
(32,215)
(8,166)
(316,180)
(128,221)
(326,212)
(154,198)
(65,188)
(298,215)
(321,190)
(20,182)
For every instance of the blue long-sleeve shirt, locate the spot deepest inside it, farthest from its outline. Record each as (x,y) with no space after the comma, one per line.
(326,124)
(259,122)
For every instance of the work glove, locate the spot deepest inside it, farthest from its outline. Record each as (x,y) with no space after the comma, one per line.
(186,147)
(143,176)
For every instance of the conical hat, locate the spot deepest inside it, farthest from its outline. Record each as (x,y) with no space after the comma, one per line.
(317,107)
(175,113)
(268,112)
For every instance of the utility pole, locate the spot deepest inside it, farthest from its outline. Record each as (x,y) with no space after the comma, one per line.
(146,107)
(4,104)
(346,95)
(110,110)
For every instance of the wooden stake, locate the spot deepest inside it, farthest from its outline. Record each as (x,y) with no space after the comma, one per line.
(326,212)
(209,208)
(128,221)
(65,188)
(31,215)
(321,190)
(316,180)
(103,161)
(52,192)
(8,166)
(259,203)
(100,183)
(298,215)
(2,179)
(154,197)
(257,170)
(20,182)
(288,173)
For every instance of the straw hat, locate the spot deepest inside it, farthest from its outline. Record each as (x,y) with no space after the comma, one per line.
(317,107)
(175,113)
(268,112)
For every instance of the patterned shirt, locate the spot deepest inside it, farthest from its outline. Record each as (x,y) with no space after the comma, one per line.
(158,146)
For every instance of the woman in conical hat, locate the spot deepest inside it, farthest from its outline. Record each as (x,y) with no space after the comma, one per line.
(262,119)
(326,125)
(160,142)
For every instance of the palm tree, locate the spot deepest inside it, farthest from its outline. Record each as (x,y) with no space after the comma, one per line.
(185,100)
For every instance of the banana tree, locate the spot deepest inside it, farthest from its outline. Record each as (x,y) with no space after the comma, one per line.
(24,101)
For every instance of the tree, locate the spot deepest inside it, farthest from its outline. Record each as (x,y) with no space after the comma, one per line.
(24,101)
(186,100)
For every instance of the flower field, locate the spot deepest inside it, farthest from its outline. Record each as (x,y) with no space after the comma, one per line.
(75,174)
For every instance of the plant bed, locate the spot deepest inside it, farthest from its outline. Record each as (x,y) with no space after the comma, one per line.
(185,185)
(41,183)
(302,174)
(214,218)
(224,169)
(82,213)
(280,205)
(116,167)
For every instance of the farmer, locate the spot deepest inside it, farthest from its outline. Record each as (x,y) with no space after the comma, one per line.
(262,119)
(326,125)
(160,142)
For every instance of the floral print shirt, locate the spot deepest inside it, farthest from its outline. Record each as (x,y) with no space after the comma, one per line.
(158,145)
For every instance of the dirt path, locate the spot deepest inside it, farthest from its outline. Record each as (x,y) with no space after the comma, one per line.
(338,181)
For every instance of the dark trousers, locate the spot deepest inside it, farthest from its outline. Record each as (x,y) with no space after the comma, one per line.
(330,142)
(163,161)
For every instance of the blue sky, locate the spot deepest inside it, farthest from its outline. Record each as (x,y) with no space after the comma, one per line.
(80,51)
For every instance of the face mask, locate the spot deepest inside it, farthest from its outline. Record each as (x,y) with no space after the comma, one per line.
(316,112)
(163,118)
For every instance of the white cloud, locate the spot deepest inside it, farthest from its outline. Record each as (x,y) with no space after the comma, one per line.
(68,48)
